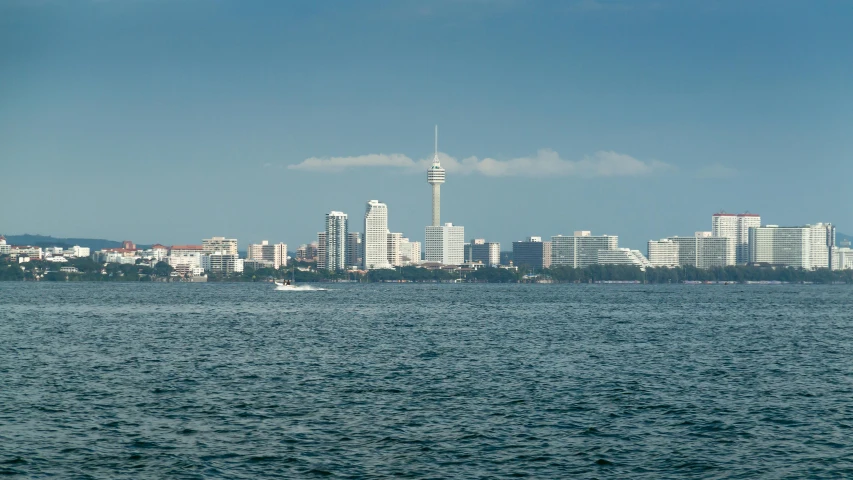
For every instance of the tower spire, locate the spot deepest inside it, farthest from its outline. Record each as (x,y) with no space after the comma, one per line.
(435,158)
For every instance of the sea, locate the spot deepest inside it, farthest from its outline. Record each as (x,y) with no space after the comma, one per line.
(425,381)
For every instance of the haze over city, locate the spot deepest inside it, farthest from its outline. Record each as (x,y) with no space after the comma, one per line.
(173,121)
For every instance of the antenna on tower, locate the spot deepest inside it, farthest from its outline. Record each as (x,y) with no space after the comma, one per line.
(436,140)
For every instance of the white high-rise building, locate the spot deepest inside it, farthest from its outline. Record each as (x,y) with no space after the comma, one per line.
(623,256)
(581,249)
(736,227)
(395,255)
(219,262)
(275,253)
(219,244)
(807,247)
(336,241)
(435,177)
(410,252)
(702,250)
(375,236)
(663,253)
(714,251)
(445,244)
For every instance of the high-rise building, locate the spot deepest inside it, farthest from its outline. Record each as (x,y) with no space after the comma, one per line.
(714,251)
(581,249)
(663,253)
(219,244)
(275,254)
(410,252)
(487,253)
(736,227)
(702,250)
(533,253)
(395,258)
(321,251)
(435,177)
(808,247)
(445,244)
(354,247)
(623,256)
(219,262)
(335,239)
(376,235)
(5,249)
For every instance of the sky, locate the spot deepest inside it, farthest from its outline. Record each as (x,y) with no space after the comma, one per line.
(172,121)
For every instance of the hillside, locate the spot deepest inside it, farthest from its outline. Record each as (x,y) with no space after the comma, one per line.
(48,241)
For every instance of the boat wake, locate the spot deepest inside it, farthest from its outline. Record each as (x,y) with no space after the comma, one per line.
(299,288)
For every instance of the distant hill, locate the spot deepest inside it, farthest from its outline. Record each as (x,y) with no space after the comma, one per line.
(840,237)
(48,241)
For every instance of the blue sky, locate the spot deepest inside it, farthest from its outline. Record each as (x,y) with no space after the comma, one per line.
(171,121)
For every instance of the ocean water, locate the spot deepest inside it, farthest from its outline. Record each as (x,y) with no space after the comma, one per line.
(425,381)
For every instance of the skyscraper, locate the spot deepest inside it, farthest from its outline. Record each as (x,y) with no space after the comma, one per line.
(736,227)
(354,247)
(435,177)
(336,241)
(375,235)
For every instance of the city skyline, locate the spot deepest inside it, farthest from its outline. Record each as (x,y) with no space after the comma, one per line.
(548,125)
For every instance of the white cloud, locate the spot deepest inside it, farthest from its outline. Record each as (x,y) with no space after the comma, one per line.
(338,164)
(716,170)
(546,163)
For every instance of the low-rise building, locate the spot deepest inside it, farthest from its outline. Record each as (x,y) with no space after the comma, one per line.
(623,256)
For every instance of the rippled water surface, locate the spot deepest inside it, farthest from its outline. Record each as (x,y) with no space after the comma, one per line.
(425,381)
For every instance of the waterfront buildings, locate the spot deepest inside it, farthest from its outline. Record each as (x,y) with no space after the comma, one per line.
(222,263)
(842,258)
(321,251)
(333,242)
(581,249)
(274,254)
(394,254)
(702,250)
(445,244)
(736,227)
(410,252)
(308,252)
(354,249)
(487,253)
(623,256)
(375,235)
(806,247)
(532,253)
(219,244)
(663,253)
